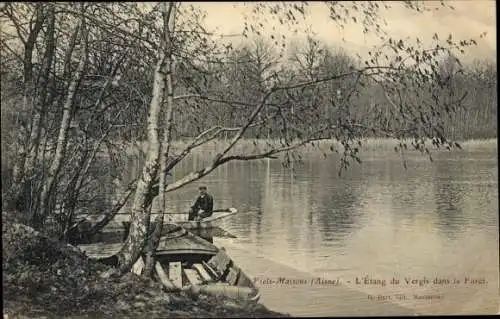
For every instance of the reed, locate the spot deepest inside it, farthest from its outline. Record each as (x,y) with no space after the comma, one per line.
(488,143)
(246,146)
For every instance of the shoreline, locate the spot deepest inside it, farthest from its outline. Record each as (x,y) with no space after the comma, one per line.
(368,144)
(38,270)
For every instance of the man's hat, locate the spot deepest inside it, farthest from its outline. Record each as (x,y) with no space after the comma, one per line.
(202,188)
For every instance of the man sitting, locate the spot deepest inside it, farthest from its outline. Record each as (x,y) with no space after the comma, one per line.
(203,207)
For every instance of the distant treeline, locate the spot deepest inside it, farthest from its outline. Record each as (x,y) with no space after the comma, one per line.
(247,72)
(368,101)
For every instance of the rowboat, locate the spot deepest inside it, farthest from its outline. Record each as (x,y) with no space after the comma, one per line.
(187,262)
(207,222)
(175,241)
(218,276)
(181,219)
(195,226)
(199,266)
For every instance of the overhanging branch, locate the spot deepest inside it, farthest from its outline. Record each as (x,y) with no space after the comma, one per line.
(203,138)
(221,158)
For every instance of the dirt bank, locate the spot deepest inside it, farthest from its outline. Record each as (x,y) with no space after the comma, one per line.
(43,278)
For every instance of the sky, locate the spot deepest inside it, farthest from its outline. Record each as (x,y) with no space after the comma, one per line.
(469,19)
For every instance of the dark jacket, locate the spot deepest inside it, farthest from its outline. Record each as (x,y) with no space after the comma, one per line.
(206,203)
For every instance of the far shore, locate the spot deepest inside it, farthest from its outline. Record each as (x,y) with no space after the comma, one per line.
(255,145)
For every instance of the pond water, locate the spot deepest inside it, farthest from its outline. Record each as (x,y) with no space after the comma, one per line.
(374,223)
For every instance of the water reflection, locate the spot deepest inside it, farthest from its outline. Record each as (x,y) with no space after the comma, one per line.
(376,218)
(449,207)
(209,233)
(119,233)
(338,214)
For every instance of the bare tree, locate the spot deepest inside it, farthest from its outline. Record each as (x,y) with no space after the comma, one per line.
(149,68)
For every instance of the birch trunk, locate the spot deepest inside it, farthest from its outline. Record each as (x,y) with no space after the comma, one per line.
(140,215)
(169,22)
(48,186)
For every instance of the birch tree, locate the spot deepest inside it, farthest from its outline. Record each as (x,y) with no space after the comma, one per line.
(164,64)
(408,67)
(71,114)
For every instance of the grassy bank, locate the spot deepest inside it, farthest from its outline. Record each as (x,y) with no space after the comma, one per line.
(43,278)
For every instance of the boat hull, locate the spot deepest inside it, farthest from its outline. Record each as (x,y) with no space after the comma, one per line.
(176,242)
(208,222)
(222,276)
(201,267)
(116,229)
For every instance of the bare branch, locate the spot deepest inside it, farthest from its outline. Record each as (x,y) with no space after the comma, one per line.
(115,28)
(203,138)
(213,99)
(112,213)
(9,12)
(193,176)
(219,158)
(5,46)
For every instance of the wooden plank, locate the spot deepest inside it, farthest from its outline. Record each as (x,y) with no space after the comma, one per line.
(138,266)
(175,273)
(243,280)
(218,210)
(220,261)
(192,276)
(164,278)
(202,272)
(232,276)
(215,217)
(213,273)
(207,222)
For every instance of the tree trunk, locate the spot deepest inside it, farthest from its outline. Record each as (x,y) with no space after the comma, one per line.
(41,213)
(41,96)
(140,215)
(152,244)
(169,19)
(15,198)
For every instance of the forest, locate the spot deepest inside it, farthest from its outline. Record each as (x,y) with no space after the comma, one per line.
(86,79)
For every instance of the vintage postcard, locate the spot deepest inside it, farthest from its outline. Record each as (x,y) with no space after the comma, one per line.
(249,159)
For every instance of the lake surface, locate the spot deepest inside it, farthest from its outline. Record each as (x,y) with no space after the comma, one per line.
(377,221)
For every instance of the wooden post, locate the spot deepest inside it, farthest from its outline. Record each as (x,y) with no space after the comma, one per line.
(164,278)
(175,273)
(138,266)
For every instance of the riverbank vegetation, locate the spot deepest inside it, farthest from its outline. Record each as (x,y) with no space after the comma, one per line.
(45,278)
(82,80)
(375,144)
